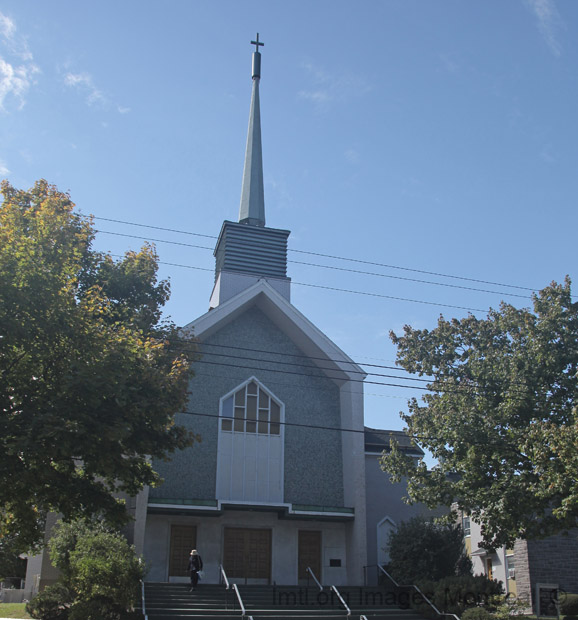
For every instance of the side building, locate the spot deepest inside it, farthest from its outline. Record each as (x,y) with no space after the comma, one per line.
(530,566)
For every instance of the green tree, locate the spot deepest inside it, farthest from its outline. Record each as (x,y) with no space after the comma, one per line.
(423,549)
(501,417)
(90,377)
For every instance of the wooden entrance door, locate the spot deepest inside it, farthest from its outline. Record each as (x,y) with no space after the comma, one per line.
(309,550)
(247,554)
(183,539)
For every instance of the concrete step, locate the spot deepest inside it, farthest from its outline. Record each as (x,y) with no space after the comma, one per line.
(175,602)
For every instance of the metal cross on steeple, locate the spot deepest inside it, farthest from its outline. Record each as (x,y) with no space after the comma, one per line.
(252,209)
(257,43)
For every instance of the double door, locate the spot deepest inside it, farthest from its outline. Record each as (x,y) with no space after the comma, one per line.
(247,554)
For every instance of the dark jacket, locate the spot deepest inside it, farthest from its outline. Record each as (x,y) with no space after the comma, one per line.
(195,563)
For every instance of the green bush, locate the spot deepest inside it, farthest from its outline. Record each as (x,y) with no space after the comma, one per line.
(105,575)
(569,605)
(99,575)
(423,549)
(455,594)
(50,604)
(476,613)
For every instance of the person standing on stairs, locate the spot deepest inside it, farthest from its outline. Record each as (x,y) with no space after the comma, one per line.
(195,566)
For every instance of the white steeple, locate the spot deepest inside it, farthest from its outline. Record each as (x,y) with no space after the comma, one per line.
(252,209)
(247,251)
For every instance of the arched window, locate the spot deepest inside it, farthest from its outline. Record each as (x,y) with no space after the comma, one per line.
(251,410)
(384,528)
(250,452)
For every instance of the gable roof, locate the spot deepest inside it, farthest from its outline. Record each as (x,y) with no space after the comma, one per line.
(377,440)
(336,364)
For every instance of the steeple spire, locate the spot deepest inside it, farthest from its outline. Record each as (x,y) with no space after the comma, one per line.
(252,209)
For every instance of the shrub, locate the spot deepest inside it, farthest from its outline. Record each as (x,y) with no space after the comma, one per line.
(476,613)
(99,578)
(455,594)
(50,604)
(422,549)
(569,605)
(105,573)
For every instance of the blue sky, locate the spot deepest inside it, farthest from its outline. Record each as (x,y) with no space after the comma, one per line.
(439,136)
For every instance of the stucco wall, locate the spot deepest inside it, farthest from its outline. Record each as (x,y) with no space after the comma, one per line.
(210,537)
(313,458)
(384,500)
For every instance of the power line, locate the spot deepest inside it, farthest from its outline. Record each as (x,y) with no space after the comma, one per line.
(343,290)
(358,372)
(457,389)
(313,358)
(419,438)
(332,256)
(301,355)
(243,376)
(331,267)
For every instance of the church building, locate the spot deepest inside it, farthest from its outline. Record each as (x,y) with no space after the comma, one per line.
(286,480)
(277,483)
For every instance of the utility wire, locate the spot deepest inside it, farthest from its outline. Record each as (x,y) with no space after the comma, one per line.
(332,256)
(331,267)
(202,353)
(343,290)
(301,365)
(418,438)
(456,389)
(300,355)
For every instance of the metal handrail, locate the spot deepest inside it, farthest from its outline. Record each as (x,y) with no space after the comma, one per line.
(342,601)
(224,576)
(425,598)
(144,612)
(308,570)
(243,612)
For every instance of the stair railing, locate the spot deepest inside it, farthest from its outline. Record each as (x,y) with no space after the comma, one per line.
(243,612)
(308,570)
(342,601)
(425,598)
(144,611)
(224,577)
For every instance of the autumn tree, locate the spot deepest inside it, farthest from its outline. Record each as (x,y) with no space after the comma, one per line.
(90,376)
(500,416)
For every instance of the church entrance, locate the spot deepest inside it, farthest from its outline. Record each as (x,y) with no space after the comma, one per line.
(183,540)
(309,554)
(247,555)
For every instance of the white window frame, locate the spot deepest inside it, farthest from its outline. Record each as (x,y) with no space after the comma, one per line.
(281,436)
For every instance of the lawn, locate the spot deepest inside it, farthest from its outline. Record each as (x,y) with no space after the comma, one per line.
(13,610)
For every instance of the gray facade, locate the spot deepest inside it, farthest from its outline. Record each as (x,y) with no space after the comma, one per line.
(313,460)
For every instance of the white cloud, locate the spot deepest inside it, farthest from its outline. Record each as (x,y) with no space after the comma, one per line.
(327,87)
(352,156)
(15,77)
(15,82)
(84,83)
(549,22)
(123,110)
(449,62)
(4,172)
(7,27)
